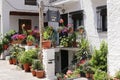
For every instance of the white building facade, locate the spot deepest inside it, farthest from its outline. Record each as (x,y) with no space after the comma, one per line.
(90,13)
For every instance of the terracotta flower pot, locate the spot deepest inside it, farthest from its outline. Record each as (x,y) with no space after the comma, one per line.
(40,74)
(14,61)
(26,67)
(10,61)
(33,72)
(81,31)
(5,46)
(59,78)
(87,75)
(46,44)
(29,43)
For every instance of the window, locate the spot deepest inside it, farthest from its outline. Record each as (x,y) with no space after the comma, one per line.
(52,1)
(30,2)
(102,18)
(77,18)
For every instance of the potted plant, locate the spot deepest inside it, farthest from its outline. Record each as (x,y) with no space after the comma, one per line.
(39,69)
(81,29)
(83,52)
(64,42)
(15,50)
(1,47)
(9,34)
(5,42)
(27,58)
(47,35)
(101,75)
(59,76)
(117,75)
(88,69)
(30,40)
(10,60)
(26,61)
(33,67)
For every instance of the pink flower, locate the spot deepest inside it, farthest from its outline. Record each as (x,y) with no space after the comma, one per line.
(69,72)
(61,21)
(65,76)
(70,25)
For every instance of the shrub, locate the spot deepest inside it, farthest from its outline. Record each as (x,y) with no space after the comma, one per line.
(117,75)
(99,58)
(100,75)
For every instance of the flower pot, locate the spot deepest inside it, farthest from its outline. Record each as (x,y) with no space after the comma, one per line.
(10,61)
(5,46)
(81,31)
(29,43)
(46,44)
(39,73)
(91,76)
(59,78)
(14,61)
(26,67)
(14,41)
(33,72)
(87,75)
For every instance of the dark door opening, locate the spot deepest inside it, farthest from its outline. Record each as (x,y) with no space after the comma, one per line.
(77,18)
(65,18)
(104,19)
(27,23)
(64,61)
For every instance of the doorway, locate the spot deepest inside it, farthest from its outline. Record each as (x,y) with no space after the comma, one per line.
(27,23)
(65,18)
(64,61)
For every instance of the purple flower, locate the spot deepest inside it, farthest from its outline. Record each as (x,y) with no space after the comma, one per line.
(14,37)
(65,30)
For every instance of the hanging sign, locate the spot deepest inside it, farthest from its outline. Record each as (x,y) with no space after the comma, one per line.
(53,16)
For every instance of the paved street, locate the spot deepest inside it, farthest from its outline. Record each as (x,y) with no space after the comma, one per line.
(12,72)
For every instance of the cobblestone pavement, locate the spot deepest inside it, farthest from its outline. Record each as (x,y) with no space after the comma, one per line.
(12,72)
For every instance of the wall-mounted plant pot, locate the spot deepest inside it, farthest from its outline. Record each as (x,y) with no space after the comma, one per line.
(46,44)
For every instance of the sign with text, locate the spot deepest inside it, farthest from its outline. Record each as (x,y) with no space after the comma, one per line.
(53,16)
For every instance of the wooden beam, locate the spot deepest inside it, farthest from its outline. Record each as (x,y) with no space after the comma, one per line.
(24,13)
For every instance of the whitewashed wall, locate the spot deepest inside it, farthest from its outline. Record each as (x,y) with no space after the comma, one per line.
(14,5)
(113,36)
(0,6)
(19,5)
(14,21)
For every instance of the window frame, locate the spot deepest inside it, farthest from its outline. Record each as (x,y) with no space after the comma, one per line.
(30,2)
